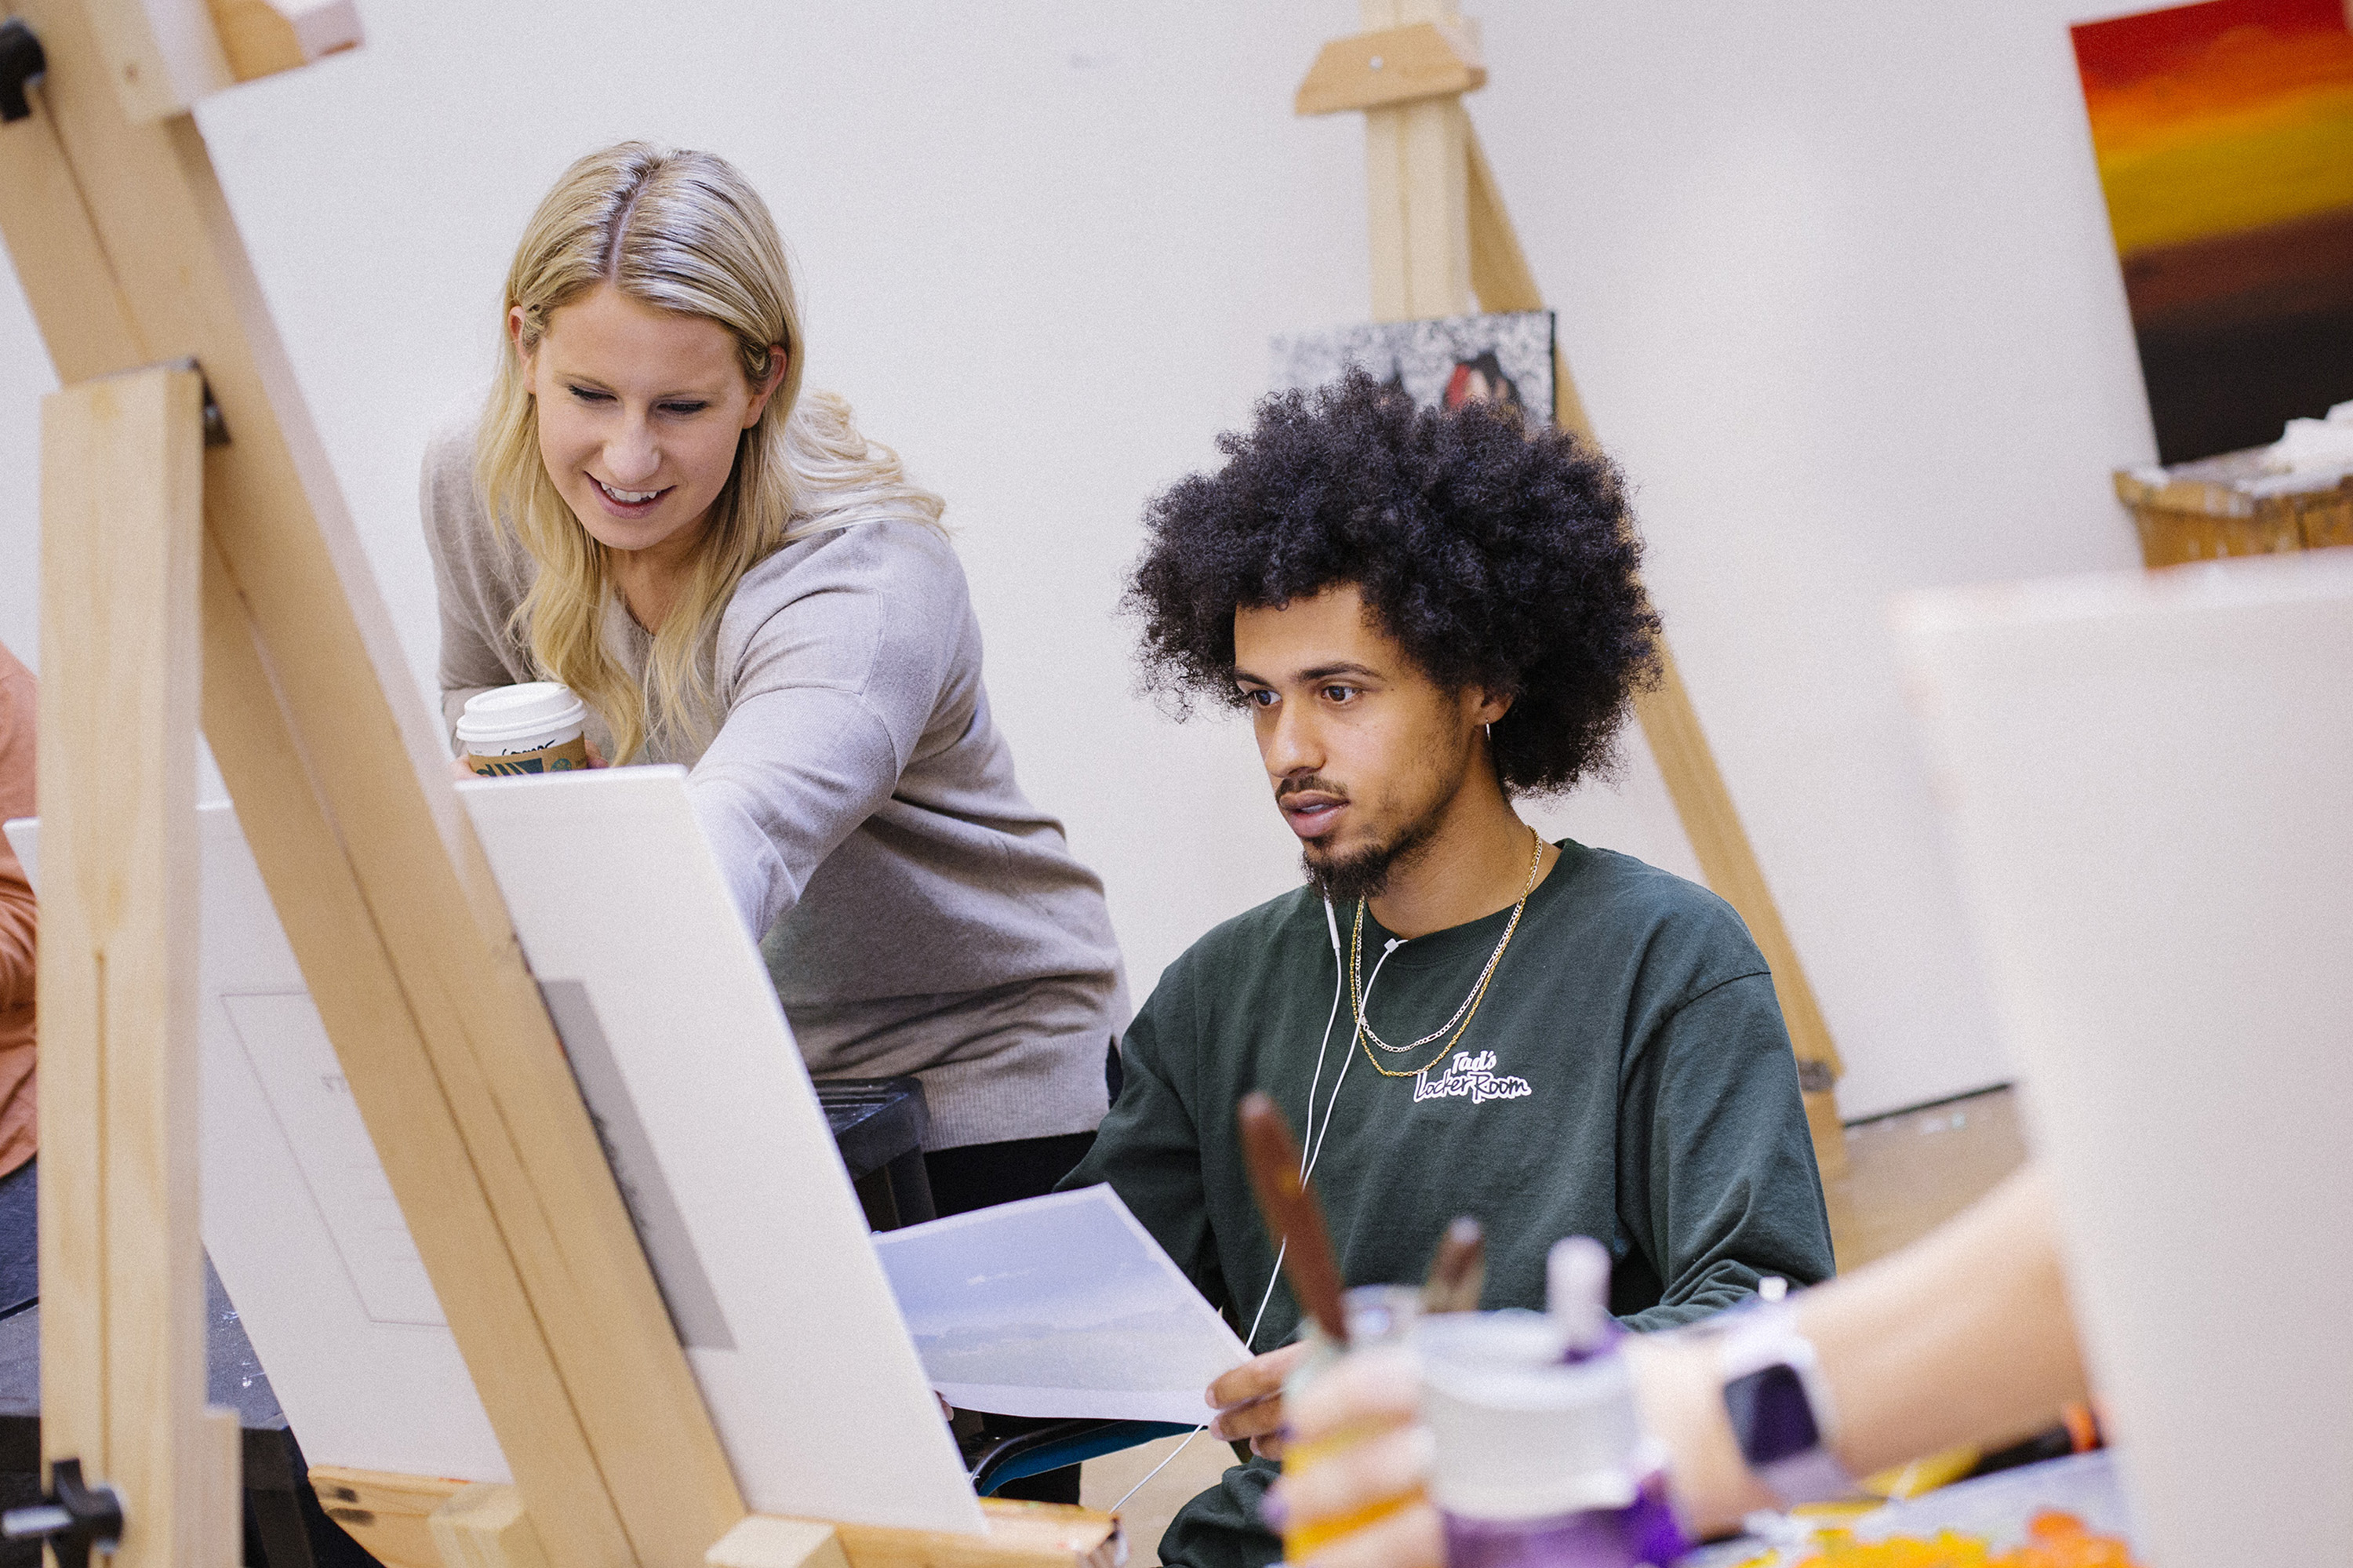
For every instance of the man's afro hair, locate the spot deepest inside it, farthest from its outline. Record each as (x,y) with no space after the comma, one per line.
(1502,561)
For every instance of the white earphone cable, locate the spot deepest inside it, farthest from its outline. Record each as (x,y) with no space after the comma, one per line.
(1311,1149)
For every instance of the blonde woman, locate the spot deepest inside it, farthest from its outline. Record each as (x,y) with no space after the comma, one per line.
(651,511)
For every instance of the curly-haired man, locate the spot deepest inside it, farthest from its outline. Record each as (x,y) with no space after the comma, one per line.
(1427,615)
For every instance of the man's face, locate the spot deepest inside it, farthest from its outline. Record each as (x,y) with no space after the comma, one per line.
(1364,750)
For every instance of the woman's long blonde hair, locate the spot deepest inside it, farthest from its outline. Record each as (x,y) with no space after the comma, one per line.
(681,231)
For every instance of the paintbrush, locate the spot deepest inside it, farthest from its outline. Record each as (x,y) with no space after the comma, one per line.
(1293,1213)
(1458,1271)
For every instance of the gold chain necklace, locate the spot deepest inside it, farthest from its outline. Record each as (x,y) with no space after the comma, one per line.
(1465,1013)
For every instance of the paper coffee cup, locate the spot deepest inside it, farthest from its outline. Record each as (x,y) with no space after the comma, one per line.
(534,727)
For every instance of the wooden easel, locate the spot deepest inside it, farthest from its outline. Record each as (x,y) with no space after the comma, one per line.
(156,546)
(1440,234)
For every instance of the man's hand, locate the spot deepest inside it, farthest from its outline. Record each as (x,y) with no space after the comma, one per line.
(1248,1400)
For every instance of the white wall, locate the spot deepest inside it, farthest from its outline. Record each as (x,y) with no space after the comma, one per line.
(1835,279)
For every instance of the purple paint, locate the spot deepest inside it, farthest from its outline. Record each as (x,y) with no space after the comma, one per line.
(1641,1535)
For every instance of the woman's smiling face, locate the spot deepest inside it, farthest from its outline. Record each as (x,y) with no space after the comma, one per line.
(640,410)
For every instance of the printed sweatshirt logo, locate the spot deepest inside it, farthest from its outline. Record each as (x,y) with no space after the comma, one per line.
(1469,1077)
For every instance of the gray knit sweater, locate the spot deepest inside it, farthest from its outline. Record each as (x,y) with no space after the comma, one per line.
(919,915)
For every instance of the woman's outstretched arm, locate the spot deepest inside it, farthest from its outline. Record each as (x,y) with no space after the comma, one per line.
(1963,1336)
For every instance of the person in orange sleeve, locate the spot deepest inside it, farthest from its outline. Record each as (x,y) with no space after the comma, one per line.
(19,1275)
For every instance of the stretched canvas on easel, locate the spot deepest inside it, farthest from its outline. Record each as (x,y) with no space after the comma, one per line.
(2148,783)
(716,1138)
(2224,135)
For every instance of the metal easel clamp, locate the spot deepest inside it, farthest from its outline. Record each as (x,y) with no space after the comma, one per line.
(22,63)
(72,1518)
(215,427)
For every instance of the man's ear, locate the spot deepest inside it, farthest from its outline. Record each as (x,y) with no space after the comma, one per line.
(1488,706)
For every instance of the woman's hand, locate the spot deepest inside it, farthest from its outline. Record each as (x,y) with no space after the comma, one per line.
(1680,1392)
(1248,1400)
(461,769)
(1365,1407)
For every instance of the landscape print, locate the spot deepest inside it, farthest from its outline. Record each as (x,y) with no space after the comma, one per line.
(2224,134)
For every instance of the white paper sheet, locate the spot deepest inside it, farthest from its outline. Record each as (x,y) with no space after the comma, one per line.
(1060,1305)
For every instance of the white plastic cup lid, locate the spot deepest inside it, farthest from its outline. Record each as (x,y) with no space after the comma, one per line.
(507,720)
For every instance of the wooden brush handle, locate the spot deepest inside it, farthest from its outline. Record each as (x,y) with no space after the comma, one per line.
(1459,1271)
(1293,1213)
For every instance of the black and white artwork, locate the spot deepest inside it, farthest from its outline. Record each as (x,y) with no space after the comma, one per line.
(1438,364)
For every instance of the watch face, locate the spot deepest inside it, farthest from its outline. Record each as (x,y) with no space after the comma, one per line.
(1771,1416)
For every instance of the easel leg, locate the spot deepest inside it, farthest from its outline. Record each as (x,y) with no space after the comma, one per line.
(484,1526)
(1503,281)
(122,1291)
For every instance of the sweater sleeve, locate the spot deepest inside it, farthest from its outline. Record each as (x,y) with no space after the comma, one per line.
(1149,1147)
(474,578)
(18,921)
(1717,1183)
(839,664)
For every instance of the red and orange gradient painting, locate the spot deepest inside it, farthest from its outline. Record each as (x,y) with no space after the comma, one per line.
(2224,134)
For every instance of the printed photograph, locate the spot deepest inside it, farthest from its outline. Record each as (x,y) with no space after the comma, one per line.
(1438,364)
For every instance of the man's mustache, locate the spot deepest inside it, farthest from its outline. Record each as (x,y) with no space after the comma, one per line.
(1310,783)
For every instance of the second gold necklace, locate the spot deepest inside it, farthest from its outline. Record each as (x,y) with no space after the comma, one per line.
(1464,1013)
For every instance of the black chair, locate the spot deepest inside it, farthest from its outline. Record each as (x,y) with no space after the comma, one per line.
(994,1461)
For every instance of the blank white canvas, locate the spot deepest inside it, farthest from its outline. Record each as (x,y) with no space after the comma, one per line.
(754,1229)
(817,1392)
(298,1215)
(2148,785)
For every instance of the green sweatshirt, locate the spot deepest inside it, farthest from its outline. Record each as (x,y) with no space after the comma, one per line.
(1627,1077)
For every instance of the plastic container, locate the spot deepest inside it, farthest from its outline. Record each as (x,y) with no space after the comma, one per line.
(1378,1315)
(535,727)
(1540,1460)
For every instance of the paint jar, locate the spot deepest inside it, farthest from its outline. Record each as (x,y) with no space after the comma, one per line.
(535,727)
(1379,1317)
(1539,1460)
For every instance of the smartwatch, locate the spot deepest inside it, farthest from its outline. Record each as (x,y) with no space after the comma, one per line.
(1778,1403)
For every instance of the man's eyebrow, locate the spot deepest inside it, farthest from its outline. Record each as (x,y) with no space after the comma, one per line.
(1315,674)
